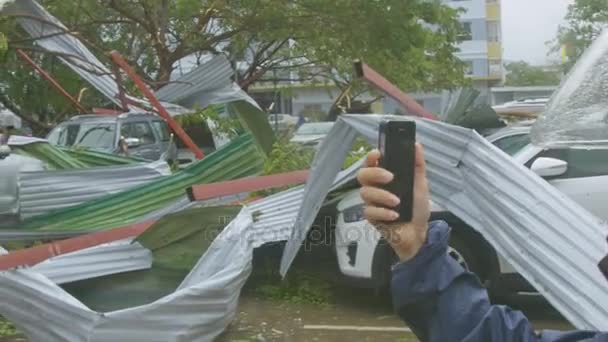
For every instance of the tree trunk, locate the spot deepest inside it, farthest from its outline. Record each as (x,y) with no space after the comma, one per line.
(165,69)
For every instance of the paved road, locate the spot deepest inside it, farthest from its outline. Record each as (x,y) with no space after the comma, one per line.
(354,315)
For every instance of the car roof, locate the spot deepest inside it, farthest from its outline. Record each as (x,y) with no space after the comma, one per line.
(92,117)
(112,118)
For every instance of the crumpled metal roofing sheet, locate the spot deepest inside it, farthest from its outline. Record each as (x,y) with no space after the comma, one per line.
(239,158)
(544,234)
(116,257)
(54,38)
(44,191)
(209,83)
(275,215)
(71,51)
(199,310)
(541,232)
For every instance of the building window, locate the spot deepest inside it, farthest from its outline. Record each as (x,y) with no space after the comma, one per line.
(468,68)
(466,33)
(493,31)
(495,68)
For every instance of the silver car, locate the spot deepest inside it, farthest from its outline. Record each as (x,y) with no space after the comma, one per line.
(135,134)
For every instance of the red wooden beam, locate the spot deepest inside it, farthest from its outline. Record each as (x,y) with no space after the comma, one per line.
(379,82)
(213,190)
(106,111)
(34,255)
(175,127)
(50,79)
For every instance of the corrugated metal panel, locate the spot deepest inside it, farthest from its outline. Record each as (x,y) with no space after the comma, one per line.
(52,157)
(239,158)
(65,45)
(211,83)
(116,257)
(542,232)
(274,216)
(209,76)
(539,230)
(199,310)
(53,38)
(94,158)
(44,191)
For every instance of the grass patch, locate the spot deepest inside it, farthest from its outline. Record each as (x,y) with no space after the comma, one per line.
(297,288)
(7,329)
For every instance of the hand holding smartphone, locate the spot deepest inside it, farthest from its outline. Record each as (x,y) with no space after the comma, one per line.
(397,145)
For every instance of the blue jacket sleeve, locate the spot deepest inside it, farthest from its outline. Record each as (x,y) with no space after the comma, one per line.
(442,302)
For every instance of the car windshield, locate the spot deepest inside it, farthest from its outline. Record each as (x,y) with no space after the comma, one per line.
(162,130)
(513,143)
(96,135)
(315,128)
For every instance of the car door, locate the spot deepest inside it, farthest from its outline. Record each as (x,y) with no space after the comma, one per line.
(586,178)
(165,144)
(148,147)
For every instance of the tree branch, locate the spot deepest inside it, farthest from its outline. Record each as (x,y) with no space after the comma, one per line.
(95,71)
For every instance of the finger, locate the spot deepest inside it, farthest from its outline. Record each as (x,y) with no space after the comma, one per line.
(374,214)
(376,196)
(420,162)
(374,176)
(372,158)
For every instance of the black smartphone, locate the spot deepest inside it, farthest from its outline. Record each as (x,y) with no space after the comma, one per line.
(397,145)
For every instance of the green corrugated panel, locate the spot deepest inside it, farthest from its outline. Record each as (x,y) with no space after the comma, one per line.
(240,158)
(61,158)
(177,242)
(256,121)
(94,158)
(54,158)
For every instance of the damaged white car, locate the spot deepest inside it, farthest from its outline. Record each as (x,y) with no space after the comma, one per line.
(582,174)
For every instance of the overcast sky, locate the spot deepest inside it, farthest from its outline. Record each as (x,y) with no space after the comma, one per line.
(527,25)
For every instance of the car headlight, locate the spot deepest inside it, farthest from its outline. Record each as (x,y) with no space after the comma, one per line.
(353,214)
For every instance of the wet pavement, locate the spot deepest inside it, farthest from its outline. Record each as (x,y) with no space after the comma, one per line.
(361,318)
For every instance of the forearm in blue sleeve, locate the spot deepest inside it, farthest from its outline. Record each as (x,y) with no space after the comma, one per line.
(442,302)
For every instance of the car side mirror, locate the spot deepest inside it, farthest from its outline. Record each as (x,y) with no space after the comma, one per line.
(549,167)
(132,142)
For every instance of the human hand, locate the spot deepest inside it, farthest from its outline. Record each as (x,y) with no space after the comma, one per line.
(406,238)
